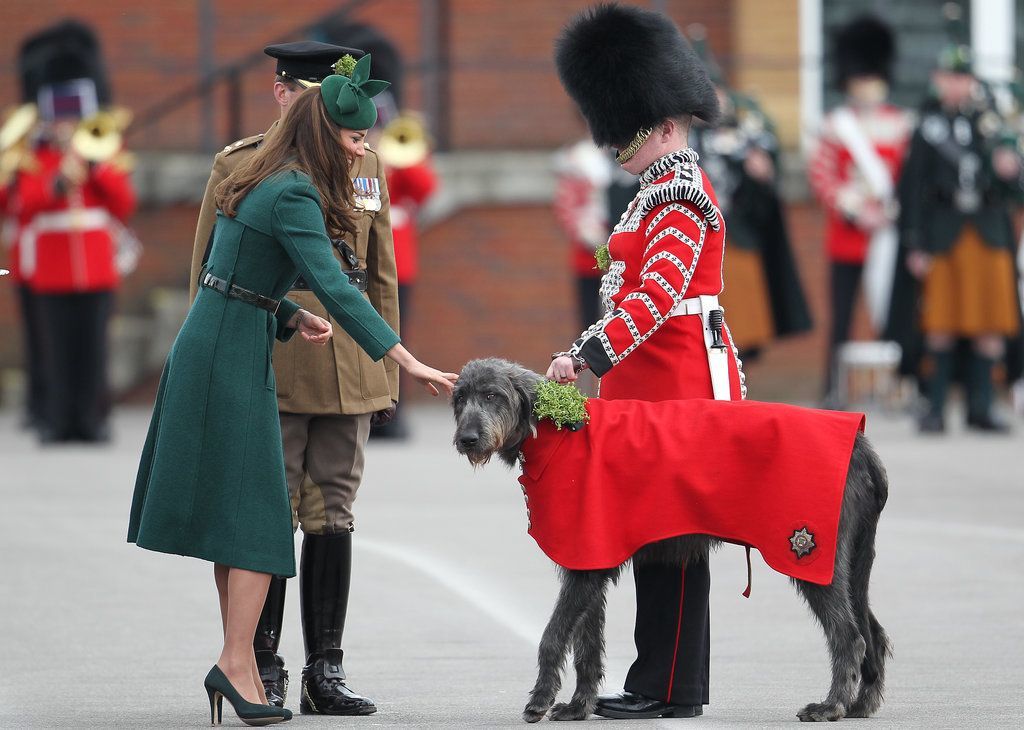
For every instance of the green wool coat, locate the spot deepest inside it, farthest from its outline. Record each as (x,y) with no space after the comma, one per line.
(211,483)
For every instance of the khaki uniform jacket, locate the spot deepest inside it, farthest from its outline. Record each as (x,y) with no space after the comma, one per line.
(338,377)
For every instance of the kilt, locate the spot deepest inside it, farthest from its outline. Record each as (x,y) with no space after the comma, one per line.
(746,300)
(969,290)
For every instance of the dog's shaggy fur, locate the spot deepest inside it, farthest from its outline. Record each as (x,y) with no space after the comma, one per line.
(493,404)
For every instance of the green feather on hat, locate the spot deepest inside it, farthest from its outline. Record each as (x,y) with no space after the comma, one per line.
(349,99)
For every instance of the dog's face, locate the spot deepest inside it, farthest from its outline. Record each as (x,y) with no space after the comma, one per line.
(493,403)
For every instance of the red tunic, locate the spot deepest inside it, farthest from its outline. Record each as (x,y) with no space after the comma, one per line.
(66,241)
(10,231)
(667,247)
(408,188)
(752,473)
(839,185)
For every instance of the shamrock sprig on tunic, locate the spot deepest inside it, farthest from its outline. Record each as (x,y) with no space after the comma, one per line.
(603,257)
(562,403)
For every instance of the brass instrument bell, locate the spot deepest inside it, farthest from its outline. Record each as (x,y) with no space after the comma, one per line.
(404,142)
(98,138)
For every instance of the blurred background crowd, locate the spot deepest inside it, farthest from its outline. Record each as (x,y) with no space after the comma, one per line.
(843,120)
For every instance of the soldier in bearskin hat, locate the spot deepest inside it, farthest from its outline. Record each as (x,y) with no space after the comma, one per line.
(69,200)
(853,171)
(957,281)
(639,85)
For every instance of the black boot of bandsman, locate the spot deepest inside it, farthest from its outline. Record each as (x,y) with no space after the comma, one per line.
(934,420)
(266,642)
(325,573)
(979,396)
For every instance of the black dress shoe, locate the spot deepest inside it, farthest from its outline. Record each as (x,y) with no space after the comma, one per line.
(274,677)
(631,706)
(324,691)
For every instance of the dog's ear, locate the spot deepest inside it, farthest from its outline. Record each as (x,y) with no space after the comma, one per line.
(524,382)
(523,388)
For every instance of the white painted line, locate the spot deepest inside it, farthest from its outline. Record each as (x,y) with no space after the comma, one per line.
(454,579)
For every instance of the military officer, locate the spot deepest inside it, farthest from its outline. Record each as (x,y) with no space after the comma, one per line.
(957,240)
(326,398)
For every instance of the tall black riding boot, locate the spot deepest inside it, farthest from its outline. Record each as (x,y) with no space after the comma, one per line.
(266,642)
(934,420)
(324,576)
(979,396)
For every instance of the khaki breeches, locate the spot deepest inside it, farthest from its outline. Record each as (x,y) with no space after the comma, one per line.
(745,299)
(968,290)
(323,462)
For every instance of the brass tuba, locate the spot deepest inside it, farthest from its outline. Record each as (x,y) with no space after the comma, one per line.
(99,138)
(404,142)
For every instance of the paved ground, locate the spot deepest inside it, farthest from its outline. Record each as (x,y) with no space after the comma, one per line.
(450,595)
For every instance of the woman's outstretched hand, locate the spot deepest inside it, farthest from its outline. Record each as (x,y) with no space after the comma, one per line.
(433,380)
(315,329)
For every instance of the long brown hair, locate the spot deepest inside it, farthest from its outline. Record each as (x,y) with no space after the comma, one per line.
(307,140)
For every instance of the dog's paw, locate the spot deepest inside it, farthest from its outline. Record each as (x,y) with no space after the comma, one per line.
(569,711)
(534,713)
(822,712)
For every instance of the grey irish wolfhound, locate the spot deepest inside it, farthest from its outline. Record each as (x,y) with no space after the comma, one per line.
(493,404)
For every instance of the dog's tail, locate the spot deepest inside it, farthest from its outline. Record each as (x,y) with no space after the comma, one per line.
(877,647)
(876,473)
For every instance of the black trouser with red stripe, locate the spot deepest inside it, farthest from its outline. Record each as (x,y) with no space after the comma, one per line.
(673,633)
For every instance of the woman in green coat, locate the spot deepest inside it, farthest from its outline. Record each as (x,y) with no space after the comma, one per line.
(211,483)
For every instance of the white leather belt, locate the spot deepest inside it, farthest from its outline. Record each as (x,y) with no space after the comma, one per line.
(72,219)
(718,358)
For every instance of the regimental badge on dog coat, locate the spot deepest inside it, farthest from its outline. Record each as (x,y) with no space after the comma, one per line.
(766,475)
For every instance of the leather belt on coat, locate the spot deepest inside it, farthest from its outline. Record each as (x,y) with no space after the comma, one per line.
(710,312)
(232,291)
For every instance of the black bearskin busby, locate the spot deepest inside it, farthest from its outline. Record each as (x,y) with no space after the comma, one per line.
(629,69)
(865,46)
(63,52)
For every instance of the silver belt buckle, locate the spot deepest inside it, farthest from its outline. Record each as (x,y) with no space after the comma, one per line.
(967,201)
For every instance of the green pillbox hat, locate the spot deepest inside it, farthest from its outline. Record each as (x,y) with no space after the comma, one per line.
(349,100)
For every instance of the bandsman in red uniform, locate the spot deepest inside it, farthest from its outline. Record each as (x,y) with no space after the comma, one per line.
(68,208)
(404,148)
(853,172)
(639,85)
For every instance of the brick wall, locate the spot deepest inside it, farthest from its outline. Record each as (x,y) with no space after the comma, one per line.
(503,91)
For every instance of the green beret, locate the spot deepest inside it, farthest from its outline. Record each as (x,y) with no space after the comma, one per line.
(348,100)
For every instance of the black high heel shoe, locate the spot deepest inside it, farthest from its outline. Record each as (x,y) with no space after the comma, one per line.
(218,687)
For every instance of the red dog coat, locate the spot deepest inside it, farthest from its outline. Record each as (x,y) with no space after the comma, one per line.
(765,475)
